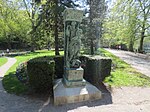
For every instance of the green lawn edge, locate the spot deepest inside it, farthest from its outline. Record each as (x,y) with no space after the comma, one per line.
(3,60)
(122,74)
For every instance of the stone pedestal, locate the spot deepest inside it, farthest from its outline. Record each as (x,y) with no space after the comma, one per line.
(63,95)
(74,77)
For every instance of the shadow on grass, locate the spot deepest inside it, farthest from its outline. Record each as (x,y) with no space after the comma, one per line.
(12,85)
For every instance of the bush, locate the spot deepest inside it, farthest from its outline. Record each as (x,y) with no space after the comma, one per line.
(21,73)
(96,68)
(59,66)
(41,74)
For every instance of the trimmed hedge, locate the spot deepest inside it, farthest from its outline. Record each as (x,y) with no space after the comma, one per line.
(96,68)
(43,70)
(41,73)
(59,66)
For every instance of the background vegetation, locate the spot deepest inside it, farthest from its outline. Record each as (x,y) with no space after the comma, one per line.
(128,23)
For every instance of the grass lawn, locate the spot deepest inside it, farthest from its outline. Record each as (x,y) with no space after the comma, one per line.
(3,60)
(10,82)
(123,74)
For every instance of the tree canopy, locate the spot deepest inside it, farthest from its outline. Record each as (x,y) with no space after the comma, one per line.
(38,24)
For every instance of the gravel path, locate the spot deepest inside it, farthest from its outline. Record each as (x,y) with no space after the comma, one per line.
(125,99)
(4,68)
(138,61)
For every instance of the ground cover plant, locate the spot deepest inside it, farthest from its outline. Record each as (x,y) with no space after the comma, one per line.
(123,74)
(3,60)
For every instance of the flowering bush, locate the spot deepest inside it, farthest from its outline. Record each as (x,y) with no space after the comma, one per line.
(21,73)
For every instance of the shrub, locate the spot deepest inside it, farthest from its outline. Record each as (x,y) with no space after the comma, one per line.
(21,73)
(96,68)
(41,73)
(59,66)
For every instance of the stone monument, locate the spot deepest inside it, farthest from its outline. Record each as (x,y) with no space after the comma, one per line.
(73,75)
(73,88)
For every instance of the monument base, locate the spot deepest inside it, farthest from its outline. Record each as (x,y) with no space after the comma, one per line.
(74,83)
(74,77)
(64,95)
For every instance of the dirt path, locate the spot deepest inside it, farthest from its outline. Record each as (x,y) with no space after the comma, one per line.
(4,69)
(125,99)
(137,61)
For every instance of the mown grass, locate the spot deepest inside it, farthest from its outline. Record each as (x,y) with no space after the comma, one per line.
(123,74)
(3,60)
(10,81)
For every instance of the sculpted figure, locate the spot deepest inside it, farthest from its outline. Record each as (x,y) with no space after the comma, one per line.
(74,49)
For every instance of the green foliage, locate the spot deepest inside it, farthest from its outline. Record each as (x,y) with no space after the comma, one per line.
(123,74)
(3,60)
(96,68)
(21,73)
(14,24)
(127,22)
(41,74)
(92,25)
(59,66)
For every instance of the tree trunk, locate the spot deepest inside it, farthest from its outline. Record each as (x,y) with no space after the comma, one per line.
(56,30)
(131,46)
(32,43)
(142,38)
(92,47)
(32,35)
(91,43)
(141,42)
(8,41)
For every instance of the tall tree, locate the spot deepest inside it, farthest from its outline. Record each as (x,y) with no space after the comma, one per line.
(144,15)
(127,22)
(33,9)
(53,18)
(96,16)
(13,26)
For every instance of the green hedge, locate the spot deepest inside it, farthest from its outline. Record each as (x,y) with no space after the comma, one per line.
(96,68)
(59,66)
(43,70)
(41,73)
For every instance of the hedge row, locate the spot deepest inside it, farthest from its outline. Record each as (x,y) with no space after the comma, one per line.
(96,68)
(42,70)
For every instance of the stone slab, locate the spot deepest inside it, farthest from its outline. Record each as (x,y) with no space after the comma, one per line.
(73,83)
(64,95)
(73,15)
(74,74)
